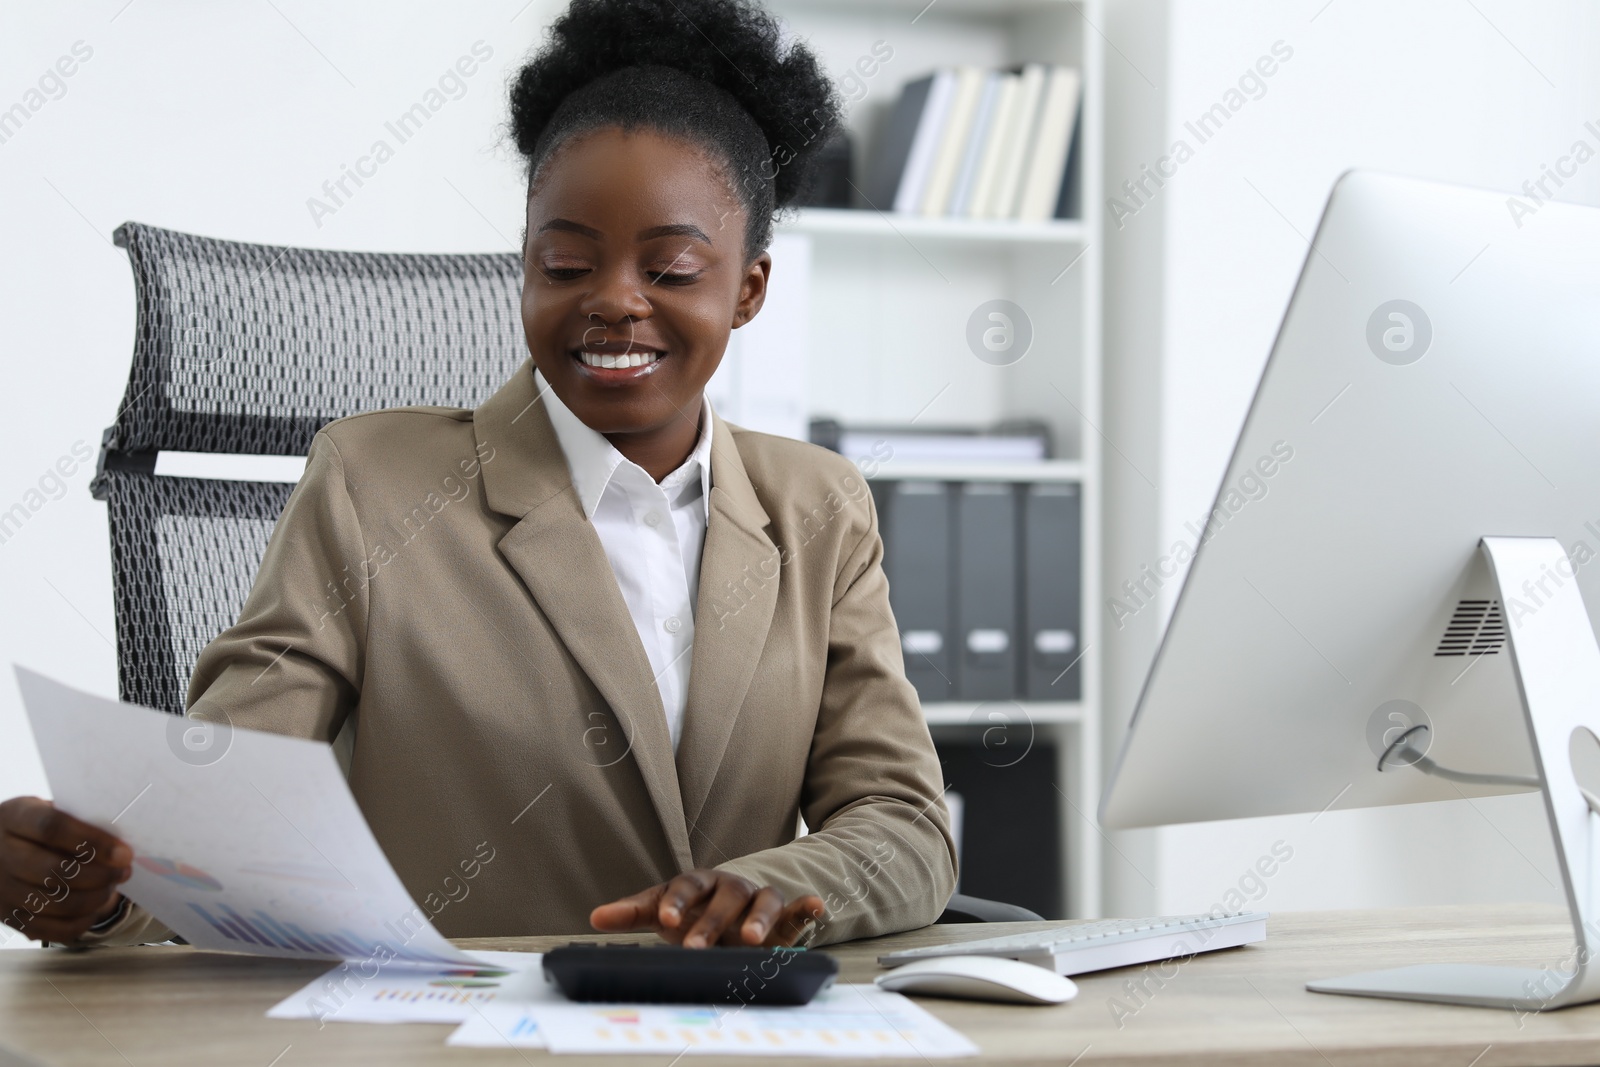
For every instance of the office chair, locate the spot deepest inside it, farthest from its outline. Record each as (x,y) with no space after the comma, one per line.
(965,909)
(250,349)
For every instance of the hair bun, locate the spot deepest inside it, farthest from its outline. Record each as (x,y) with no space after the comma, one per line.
(734,45)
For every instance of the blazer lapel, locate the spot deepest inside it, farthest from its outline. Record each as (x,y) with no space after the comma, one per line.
(739,576)
(555,550)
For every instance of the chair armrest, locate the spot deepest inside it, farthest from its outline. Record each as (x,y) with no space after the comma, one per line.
(965,909)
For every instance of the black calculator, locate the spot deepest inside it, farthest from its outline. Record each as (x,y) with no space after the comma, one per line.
(669,974)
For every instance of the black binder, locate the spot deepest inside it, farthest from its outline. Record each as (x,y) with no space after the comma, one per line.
(916,521)
(1010,814)
(894,144)
(986,590)
(1052,591)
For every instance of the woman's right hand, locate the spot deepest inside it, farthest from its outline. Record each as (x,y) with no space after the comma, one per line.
(58,875)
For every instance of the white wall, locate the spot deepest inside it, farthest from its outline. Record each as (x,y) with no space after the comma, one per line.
(218,119)
(225,118)
(1481,94)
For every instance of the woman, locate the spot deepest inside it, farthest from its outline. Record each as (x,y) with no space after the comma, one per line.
(595,634)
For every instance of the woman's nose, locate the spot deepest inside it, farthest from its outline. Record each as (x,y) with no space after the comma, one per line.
(618,293)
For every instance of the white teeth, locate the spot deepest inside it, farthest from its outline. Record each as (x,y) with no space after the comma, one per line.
(610,362)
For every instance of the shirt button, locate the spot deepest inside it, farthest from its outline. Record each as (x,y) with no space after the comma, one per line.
(673,624)
(652,518)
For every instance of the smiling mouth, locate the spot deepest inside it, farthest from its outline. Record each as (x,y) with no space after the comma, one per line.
(644,357)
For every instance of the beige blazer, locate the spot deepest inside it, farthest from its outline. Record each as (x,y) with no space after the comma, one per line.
(434,584)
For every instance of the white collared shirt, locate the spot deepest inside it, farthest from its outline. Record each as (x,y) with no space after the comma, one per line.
(653,536)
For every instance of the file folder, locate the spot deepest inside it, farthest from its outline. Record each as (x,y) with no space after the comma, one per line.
(986,591)
(1052,591)
(1010,833)
(916,522)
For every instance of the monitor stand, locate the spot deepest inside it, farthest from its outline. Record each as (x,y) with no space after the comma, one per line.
(1557,667)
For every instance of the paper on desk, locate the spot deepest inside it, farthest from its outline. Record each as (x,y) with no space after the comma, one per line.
(859,1021)
(356,992)
(243,841)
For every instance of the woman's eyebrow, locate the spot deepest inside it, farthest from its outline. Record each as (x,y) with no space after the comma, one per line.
(570,227)
(673,229)
(676,229)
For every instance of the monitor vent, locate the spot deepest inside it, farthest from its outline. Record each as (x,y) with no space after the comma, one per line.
(1476,629)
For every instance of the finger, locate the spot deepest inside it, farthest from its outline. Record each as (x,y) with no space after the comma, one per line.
(722,912)
(23,902)
(66,931)
(761,916)
(60,901)
(688,890)
(792,924)
(38,866)
(629,914)
(674,935)
(44,824)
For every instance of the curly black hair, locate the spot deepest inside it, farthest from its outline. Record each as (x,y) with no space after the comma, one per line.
(714,72)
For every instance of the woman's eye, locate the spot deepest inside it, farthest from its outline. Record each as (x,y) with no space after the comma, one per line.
(674,277)
(562,274)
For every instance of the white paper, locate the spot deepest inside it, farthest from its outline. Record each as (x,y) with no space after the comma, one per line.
(356,993)
(243,841)
(860,1021)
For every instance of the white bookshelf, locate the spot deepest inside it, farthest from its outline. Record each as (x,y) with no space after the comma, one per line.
(878,225)
(890,296)
(1051,470)
(974,713)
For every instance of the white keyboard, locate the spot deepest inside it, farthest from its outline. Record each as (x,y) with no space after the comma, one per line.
(1077,948)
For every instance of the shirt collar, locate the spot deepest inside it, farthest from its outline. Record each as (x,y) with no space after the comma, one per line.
(593,461)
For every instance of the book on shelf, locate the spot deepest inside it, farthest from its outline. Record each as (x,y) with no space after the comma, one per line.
(991,149)
(908,146)
(963,142)
(952,141)
(829,184)
(889,156)
(1047,161)
(1013,149)
(1012,441)
(972,152)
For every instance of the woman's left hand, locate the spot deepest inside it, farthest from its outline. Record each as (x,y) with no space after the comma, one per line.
(709,907)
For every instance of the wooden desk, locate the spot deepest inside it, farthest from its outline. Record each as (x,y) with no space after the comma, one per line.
(131,1007)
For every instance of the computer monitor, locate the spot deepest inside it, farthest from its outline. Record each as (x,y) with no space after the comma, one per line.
(1394,598)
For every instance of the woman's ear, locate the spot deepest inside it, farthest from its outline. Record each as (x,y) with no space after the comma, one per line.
(752,290)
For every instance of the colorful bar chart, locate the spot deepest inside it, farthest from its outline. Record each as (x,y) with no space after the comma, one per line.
(263,929)
(847,1020)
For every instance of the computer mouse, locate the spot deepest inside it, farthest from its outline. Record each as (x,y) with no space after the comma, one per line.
(979,978)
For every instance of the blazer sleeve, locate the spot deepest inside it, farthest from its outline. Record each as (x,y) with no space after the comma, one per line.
(880,853)
(293,662)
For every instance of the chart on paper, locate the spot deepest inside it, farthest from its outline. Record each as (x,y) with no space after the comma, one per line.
(355,993)
(247,842)
(847,1020)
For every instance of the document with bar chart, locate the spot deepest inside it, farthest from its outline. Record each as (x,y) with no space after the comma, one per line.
(350,994)
(244,841)
(853,1021)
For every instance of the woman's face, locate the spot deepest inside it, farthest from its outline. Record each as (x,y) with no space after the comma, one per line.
(634,274)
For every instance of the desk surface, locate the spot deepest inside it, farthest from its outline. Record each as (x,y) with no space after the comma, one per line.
(136,1006)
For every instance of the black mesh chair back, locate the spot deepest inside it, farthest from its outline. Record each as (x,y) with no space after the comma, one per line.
(250,349)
